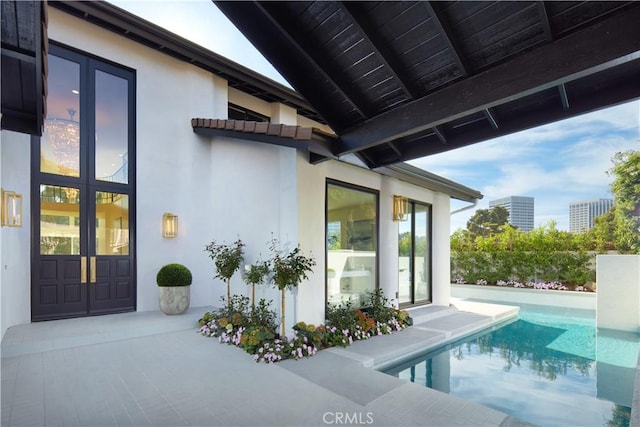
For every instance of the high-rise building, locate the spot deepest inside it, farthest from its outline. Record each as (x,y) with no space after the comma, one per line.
(520,210)
(582,214)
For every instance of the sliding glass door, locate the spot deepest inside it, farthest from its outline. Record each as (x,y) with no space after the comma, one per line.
(414,250)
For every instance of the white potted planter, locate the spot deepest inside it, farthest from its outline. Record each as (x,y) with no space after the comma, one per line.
(174,287)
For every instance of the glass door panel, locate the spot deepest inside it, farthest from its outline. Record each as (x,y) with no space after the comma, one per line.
(405,251)
(421,262)
(351,245)
(112,223)
(60,142)
(414,252)
(59,220)
(111,121)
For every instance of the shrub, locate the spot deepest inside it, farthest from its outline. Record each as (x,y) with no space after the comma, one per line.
(262,315)
(174,275)
(254,337)
(379,306)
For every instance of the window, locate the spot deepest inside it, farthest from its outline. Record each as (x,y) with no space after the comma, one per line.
(352,243)
(237,112)
(414,250)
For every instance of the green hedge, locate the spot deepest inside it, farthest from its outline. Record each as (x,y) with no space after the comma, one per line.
(543,254)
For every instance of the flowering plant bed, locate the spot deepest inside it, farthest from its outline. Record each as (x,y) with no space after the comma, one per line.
(243,326)
(553,285)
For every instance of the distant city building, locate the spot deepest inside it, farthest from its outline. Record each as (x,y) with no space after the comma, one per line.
(520,210)
(582,214)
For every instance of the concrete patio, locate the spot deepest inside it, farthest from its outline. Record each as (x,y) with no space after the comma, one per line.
(155,370)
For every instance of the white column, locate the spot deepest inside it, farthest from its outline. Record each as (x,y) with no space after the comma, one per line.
(618,288)
(388,241)
(441,249)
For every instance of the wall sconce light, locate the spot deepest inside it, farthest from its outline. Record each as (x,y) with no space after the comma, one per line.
(11,209)
(169,225)
(400,208)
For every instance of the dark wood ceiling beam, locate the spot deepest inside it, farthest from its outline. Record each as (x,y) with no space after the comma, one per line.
(439,132)
(395,149)
(303,48)
(563,96)
(447,36)
(491,116)
(588,102)
(20,56)
(597,48)
(381,49)
(544,21)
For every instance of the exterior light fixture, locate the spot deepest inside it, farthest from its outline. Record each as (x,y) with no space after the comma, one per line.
(169,225)
(400,208)
(11,209)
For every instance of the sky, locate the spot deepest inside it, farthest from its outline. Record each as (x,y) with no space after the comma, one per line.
(557,164)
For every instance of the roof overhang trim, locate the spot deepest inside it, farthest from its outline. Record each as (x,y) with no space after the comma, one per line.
(414,175)
(316,143)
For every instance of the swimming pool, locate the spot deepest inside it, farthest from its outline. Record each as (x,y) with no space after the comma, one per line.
(550,367)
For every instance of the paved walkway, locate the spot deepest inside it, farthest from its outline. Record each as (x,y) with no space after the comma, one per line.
(154,370)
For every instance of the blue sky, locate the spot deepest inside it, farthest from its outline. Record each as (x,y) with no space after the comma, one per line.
(557,164)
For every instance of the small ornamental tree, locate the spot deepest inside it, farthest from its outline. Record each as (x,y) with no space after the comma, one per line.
(227,260)
(289,269)
(256,274)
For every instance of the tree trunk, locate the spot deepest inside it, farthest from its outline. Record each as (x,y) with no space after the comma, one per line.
(229,293)
(282,299)
(253,295)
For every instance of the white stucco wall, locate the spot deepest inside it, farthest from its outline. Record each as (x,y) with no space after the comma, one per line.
(174,173)
(220,188)
(15,272)
(311,230)
(618,292)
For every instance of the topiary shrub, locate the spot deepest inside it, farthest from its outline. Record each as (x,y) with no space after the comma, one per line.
(174,275)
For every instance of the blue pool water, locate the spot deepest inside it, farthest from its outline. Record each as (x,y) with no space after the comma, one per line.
(548,368)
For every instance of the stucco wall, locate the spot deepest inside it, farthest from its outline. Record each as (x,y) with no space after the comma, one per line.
(15,274)
(220,188)
(311,206)
(618,292)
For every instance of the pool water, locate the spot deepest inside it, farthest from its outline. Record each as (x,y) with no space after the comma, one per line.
(548,368)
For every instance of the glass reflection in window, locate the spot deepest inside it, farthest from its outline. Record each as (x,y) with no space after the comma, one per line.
(351,244)
(112,223)
(60,143)
(59,220)
(112,123)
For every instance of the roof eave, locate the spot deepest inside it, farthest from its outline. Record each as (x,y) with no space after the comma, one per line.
(413,175)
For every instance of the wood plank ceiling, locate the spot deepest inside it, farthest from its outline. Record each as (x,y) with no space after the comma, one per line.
(24,73)
(399,80)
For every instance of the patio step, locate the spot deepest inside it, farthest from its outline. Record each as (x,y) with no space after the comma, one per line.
(429,312)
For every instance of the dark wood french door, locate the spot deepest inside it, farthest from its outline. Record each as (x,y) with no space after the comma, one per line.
(83,191)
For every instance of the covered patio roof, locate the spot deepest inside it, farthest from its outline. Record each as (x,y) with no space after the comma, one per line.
(24,70)
(401,80)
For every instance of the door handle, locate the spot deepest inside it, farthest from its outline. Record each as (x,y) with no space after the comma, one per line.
(83,269)
(93,269)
